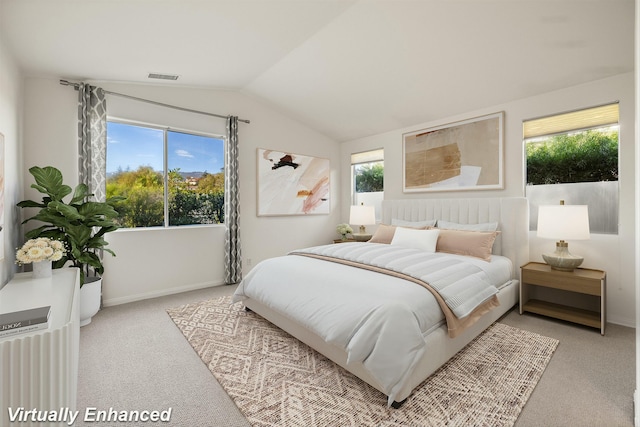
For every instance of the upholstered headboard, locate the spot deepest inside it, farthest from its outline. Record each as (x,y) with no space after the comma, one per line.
(511,213)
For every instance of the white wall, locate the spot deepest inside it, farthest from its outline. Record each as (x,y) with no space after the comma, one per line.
(636,157)
(11,98)
(615,254)
(157,262)
(50,138)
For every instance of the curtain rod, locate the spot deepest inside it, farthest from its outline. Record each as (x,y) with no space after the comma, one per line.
(76,86)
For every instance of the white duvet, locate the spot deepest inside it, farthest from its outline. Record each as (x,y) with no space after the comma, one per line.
(377,319)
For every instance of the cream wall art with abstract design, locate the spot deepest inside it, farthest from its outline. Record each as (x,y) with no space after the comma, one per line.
(292,184)
(465,155)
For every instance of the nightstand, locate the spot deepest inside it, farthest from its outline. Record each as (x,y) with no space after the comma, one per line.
(580,280)
(344,241)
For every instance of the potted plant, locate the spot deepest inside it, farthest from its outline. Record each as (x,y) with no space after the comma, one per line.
(80,223)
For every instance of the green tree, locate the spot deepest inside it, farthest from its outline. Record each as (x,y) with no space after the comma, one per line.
(211,197)
(144,190)
(369,178)
(211,183)
(183,206)
(589,156)
(144,207)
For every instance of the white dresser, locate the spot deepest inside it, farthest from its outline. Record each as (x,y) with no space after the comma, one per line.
(39,369)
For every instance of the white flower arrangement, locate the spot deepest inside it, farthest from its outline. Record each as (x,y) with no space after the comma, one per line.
(40,249)
(344,229)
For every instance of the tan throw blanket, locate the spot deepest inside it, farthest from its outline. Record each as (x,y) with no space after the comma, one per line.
(472,295)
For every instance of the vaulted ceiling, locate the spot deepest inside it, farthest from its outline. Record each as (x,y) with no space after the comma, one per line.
(346,68)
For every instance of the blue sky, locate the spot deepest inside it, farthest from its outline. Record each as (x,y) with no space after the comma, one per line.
(129,147)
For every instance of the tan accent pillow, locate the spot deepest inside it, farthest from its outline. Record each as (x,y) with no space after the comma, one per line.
(384,234)
(470,243)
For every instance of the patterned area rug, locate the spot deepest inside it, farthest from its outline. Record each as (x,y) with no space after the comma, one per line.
(276,380)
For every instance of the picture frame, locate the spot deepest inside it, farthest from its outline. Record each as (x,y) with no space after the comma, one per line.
(463,155)
(292,184)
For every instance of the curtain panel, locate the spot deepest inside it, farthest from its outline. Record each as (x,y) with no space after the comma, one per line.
(92,140)
(233,258)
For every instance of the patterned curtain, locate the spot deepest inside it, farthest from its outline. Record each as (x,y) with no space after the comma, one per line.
(92,140)
(232,256)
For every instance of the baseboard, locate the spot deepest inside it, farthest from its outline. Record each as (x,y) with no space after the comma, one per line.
(636,420)
(629,323)
(160,293)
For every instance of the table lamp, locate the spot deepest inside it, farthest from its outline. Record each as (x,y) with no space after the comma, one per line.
(570,222)
(362,215)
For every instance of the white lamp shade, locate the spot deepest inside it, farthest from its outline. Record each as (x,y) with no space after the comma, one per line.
(563,222)
(362,215)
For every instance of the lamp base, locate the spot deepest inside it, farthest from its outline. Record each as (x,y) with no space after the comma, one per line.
(561,259)
(361,237)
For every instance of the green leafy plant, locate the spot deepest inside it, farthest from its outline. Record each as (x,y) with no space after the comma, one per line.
(81,224)
(370,178)
(143,189)
(589,156)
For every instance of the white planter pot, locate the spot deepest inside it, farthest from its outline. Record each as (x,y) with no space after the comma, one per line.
(90,294)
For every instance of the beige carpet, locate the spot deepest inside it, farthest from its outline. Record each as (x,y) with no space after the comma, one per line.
(275,380)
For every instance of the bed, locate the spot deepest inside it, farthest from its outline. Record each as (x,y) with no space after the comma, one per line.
(381,321)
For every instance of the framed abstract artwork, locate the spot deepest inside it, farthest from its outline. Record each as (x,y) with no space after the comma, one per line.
(465,155)
(292,184)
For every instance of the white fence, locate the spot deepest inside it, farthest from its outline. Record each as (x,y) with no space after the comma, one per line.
(601,197)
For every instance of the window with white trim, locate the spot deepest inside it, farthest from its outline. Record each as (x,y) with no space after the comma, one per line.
(367,179)
(169,177)
(573,157)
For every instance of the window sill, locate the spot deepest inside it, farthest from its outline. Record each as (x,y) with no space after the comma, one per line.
(170,228)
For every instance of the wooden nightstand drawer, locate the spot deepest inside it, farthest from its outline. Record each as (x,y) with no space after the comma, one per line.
(581,280)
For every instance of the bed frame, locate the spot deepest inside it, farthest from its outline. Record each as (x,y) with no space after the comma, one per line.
(512,215)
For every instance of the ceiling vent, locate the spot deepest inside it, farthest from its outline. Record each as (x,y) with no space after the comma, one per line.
(163,76)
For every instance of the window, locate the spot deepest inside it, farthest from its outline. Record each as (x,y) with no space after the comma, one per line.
(190,192)
(574,157)
(367,171)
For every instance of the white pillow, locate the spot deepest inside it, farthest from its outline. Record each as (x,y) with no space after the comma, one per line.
(485,226)
(413,224)
(424,240)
